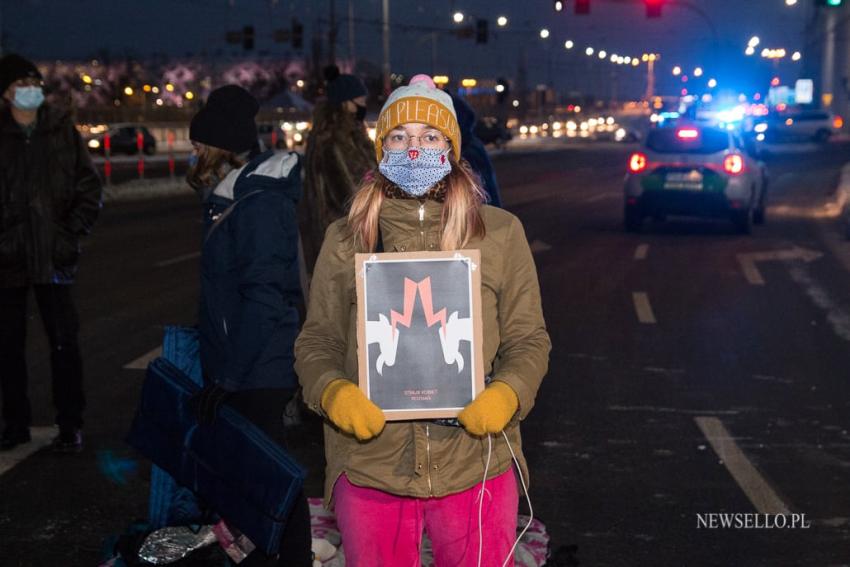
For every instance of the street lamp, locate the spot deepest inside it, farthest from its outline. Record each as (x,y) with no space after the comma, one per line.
(589,51)
(501,21)
(790,2)
(754,41)
(515,103)
(750,50)
(712,83)
(544,33)
(603,54)
(698,72)
(569,44)
(677,71)
(796,56)
(458,17)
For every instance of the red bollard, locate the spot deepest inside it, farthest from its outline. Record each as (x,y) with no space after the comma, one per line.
(107,165)
(170,141)
(140,146)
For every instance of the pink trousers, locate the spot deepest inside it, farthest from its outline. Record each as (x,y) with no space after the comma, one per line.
(383,530)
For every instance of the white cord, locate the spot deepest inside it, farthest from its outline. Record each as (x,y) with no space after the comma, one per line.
(527,498)
(481,498)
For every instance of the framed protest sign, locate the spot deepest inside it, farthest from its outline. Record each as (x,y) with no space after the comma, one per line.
(419,332)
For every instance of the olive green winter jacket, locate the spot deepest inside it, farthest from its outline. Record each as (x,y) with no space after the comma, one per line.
(421,458)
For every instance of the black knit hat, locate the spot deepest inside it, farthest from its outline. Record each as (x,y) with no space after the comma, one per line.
(227,120)
(14,67)
(343,87)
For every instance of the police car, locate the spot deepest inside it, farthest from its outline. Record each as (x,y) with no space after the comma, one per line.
(695,170)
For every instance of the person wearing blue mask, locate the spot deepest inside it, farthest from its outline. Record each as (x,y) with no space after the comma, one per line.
(50,197)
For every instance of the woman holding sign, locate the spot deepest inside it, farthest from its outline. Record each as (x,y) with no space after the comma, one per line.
(389,480)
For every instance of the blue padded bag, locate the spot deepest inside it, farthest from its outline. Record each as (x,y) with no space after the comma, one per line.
(231,464)
(171,504)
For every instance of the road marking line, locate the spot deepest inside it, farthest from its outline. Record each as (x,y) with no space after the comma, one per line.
(657,409)
(142,362)
(539,246)
(41,437)
(177,259)
(641,252)
(643,308)
(751,272)
(600,197)
(762,496)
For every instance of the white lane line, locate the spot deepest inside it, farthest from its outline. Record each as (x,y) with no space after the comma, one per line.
(641,252)
(41,437)
(142,362)
(600,197)
(751,272)
(177,259)
(539,246)
(762,496)
(643,308)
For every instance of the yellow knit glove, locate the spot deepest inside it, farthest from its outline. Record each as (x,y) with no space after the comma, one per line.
(350,410)
(491,411)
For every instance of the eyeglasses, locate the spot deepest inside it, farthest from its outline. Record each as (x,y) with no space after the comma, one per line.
(431,139)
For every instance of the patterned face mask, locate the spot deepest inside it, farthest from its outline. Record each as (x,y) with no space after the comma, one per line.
(415,170)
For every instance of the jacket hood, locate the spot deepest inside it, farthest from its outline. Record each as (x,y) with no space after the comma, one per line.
(275,171)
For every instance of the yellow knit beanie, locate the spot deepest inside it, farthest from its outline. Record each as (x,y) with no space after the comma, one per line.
(422,102)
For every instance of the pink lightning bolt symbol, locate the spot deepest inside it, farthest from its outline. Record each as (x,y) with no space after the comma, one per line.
(410,289)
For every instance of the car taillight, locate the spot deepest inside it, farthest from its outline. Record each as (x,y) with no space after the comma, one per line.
(733,164)
(637,162)
(838,123)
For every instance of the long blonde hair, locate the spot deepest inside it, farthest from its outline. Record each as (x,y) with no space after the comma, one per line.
(213,164)
(460,220)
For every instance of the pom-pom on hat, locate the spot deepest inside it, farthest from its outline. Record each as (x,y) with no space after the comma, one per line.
(227,120)
(421,102)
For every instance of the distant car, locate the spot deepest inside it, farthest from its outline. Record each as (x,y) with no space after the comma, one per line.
(491,131)
(123,139)
(692,170)
(816,125)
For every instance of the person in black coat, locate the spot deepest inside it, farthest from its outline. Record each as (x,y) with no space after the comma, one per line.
(250,287)
(50,196)
(474,152)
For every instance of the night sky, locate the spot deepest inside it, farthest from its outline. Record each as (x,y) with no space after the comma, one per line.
(81,29)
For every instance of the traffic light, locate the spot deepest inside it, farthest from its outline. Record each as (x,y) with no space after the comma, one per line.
(653,8)
(831,3)
(248,38)
(582,7)
(481,31)
(297,34)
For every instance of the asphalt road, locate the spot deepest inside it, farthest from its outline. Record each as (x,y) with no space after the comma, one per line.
(677,386)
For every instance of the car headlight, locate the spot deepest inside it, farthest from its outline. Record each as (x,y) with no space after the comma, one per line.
(94,144)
